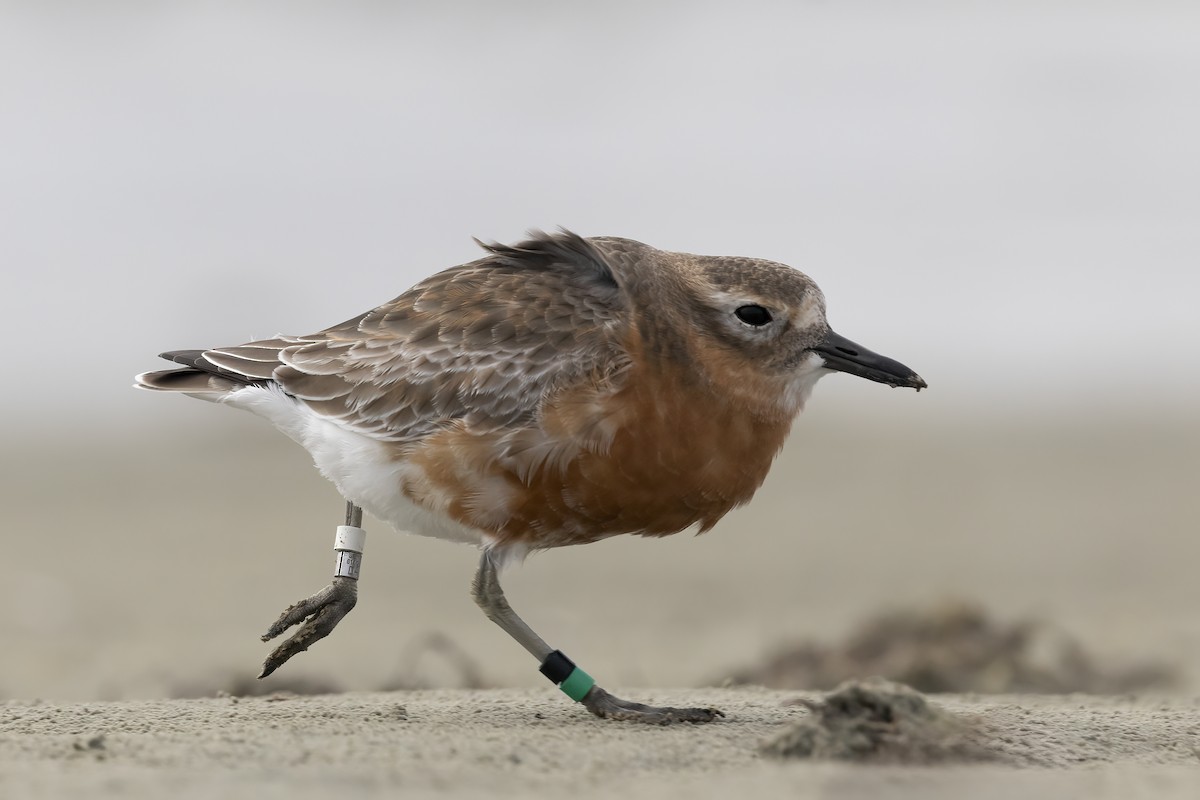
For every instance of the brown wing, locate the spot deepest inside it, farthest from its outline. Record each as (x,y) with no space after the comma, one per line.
(481,343)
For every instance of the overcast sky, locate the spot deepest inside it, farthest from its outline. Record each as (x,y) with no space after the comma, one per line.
(1005,196)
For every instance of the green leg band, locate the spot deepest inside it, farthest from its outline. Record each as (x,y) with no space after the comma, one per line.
(577,684)
(563,673)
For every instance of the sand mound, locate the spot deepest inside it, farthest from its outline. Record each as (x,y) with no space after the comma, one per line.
(955,647)
(882,722)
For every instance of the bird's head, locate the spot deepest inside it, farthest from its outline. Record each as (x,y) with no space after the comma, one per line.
(749,320)
(775,315)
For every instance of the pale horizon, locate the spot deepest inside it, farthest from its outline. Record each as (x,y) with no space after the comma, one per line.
(1004,198)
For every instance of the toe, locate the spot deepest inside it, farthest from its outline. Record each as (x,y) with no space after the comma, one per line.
(317,616)
(606,706)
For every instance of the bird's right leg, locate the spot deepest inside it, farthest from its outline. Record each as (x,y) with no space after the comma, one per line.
(574,682)
(321,613)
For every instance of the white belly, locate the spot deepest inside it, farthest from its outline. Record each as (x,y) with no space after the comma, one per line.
(363,469)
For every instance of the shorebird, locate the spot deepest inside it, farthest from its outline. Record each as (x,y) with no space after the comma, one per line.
(554,392)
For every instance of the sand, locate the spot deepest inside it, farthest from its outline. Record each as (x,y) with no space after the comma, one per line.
(143,568)
(520,743)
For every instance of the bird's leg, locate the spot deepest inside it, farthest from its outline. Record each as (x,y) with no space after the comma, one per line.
(574,682)
(321,613)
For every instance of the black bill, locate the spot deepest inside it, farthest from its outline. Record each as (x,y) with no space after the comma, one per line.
(843,355)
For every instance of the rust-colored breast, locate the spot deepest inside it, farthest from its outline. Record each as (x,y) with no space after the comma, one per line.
(663,452)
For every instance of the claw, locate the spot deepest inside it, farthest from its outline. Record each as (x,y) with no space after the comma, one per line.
(604,705)
(319,614)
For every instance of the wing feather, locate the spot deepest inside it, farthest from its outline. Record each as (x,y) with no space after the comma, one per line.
(480,344)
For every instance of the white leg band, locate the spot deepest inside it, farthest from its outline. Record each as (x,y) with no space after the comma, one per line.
(349,543)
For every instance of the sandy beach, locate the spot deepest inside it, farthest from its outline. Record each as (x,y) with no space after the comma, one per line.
(521,743)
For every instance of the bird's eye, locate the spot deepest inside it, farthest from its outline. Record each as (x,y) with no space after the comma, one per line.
(753,315)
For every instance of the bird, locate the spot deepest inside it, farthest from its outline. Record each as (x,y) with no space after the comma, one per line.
(554,392)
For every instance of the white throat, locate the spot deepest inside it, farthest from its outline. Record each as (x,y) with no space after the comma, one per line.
(811,370)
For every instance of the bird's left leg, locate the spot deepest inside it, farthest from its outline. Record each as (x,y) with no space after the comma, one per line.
(574,682)
(321,613)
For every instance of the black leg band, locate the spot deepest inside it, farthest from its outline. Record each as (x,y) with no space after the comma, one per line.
(557,667)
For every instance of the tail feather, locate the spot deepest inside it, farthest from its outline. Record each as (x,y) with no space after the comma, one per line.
(191,358)
(192,381)
(254,364)
(210,372)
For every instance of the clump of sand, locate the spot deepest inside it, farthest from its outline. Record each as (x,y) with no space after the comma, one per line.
(955,647)
(881,722)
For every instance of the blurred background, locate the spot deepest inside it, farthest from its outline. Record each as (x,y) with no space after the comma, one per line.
(1003,196)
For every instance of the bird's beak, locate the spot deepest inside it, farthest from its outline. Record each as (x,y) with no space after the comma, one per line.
(843,355)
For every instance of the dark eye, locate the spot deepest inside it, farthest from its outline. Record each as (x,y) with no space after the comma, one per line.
(753,315)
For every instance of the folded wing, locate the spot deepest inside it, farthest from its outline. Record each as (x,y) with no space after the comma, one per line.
(480,344)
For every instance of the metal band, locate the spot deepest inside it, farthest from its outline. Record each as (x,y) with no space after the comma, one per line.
(348,565)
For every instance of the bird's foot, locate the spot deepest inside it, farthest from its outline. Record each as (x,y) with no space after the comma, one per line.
(603,704)
(319,614)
